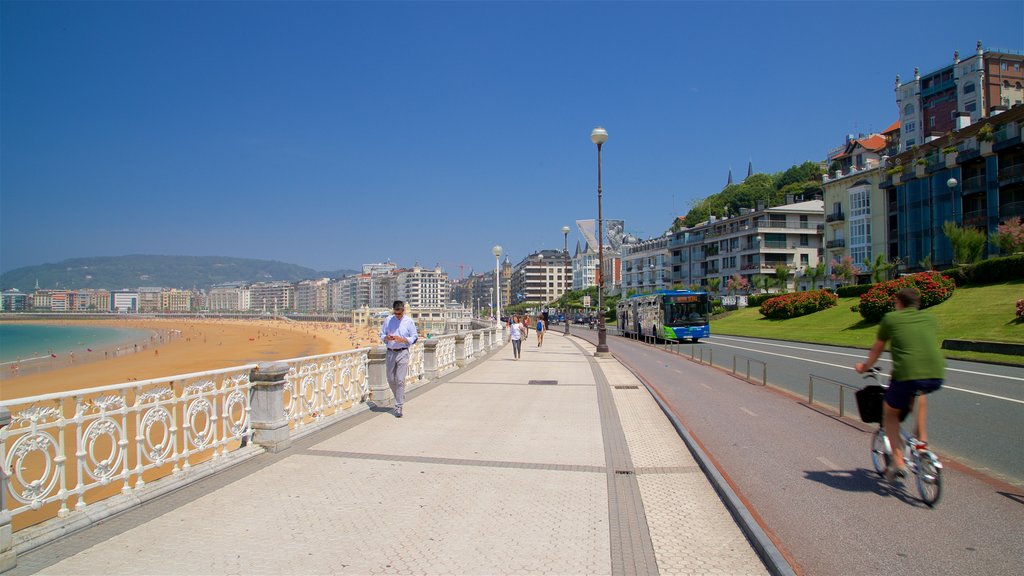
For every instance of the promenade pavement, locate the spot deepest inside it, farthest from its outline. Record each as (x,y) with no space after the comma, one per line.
(558,463)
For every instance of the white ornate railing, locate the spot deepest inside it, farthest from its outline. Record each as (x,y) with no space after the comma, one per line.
(319,386)
(59,447)
(445,353)
(416,368)
(469,345)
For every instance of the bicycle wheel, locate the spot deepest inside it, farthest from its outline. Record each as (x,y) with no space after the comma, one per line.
(929,478)
(880,452)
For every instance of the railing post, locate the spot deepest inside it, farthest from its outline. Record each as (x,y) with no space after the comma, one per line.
(8,559)
(461,358)
(376,371)
(267,415)
(430,358)
(810,389)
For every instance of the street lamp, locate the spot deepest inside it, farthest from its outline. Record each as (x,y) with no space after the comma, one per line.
(497,282)
(951,183)
(599,136)
(565,294)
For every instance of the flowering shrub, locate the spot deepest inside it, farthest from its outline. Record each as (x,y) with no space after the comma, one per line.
(1020,308)
(797,304)
(934,287)
(1010,236)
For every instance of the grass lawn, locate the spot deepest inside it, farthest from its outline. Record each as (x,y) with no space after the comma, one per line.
(973,313)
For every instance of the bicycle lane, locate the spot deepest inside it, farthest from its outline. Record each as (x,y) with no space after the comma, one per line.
(807,475)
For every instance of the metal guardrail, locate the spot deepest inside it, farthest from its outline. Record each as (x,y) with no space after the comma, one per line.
(764,367)
(842,386)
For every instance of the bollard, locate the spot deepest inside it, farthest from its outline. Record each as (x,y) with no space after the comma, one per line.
(8,558)
(376,371)
(267,416)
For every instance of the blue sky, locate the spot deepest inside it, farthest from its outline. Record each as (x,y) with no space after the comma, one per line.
(329,134)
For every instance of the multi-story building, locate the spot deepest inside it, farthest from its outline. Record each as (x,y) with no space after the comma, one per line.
(422,288)
(585,261)
(272,297)
(973,176)
(14,300)
(458,318)
(124,301)
(928,104)
(646,265)
(753,243)
(150,299)
(174,300)
(90,299)
(226,297)
(541,277)
(312,295)
(855,208)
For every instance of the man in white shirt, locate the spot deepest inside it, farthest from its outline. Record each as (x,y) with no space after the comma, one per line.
(398,333)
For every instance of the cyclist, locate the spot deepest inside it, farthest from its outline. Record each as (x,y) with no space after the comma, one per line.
(917,368)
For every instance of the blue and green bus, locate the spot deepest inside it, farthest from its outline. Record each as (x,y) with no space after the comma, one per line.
(667,314)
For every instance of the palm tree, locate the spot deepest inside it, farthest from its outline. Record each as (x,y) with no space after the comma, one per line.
(714,283)
(782,274)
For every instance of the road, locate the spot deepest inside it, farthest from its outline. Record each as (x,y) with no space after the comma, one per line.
(805,473)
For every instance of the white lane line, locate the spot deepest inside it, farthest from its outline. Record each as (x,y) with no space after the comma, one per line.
(704,385)
(944,386)
(961,370)
(827,464)
(748,412)
(678,371)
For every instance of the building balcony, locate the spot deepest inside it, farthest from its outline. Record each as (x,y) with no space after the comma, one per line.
(973,184)
(775,244)
(820,228)
(977,218)
(967,155)
(1011,209)
(837,243)
(835,217)
(1011,174)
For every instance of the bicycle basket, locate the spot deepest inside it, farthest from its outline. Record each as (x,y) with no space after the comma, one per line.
(869,403)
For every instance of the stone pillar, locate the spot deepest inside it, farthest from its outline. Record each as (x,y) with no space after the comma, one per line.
(460,348)
(267,415)
(8,559)
(376,372)
(430,358)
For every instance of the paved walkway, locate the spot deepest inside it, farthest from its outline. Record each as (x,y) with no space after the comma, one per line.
(558,463)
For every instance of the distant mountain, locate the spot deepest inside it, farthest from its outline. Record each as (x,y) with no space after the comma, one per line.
(119,272)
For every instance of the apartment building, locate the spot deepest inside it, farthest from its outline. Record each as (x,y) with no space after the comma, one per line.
(14,300)
(423,288)
(177,301)
(646,265)
(973,176)
(272,297)
(228,297)
(976,85)
(150,299)
(90,299)
(541,277)
(312,295)
(124,301)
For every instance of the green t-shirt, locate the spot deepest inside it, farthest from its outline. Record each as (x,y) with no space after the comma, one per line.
(912,337)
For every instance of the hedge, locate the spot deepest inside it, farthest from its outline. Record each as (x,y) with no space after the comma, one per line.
(989,271)
(758,299)
(797,304)
(935,288)
(853,290)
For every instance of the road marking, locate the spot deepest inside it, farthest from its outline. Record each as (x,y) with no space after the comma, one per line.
(944,387)
(827,464)
(858,356)
(704,385)
(748,411)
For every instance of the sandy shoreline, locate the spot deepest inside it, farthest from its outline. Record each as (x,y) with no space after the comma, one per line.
(179,346)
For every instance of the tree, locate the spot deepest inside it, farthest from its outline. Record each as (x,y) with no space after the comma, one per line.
(782,274)
(926,262)
(968,243)
(1010,236)
(714,284)
(737,283)
(844,269)
(879,270)
(764,282)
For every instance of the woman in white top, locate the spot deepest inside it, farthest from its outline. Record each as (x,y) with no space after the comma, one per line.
(515,336)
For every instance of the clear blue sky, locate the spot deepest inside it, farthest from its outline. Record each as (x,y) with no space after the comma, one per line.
(329,134)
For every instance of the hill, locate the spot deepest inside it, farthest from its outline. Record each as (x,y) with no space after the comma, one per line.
(120,272)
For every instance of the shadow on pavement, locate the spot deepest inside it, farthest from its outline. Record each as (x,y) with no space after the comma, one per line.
(864,480)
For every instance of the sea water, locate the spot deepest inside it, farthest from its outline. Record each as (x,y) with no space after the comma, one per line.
(28,341)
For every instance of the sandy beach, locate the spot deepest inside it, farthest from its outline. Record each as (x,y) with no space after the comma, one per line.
(180,346)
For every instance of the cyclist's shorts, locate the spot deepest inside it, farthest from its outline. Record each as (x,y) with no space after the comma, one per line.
(902,392)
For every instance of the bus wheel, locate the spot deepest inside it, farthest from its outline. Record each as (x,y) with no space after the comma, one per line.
(694,340)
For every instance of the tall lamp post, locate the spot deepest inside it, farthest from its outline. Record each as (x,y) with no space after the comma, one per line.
(951,183)
(599,136)
(565,295)
(497,283)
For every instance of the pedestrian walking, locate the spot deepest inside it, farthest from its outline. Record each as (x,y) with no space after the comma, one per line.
(541,327)
(515,336)
(398,333)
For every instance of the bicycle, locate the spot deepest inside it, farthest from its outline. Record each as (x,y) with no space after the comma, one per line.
(917,458)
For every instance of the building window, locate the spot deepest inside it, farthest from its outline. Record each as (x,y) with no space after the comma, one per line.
(969,87)
(804,260)
(908,127)
(971,107)
(1002,65)
(908,109)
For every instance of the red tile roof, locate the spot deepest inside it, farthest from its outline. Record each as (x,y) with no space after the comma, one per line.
(892,127)
(873,142)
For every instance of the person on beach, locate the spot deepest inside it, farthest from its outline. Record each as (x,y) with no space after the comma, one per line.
(515,336)
(398,333)
(540,331)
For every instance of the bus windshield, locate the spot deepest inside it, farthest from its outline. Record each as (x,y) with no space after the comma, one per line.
(687,310)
